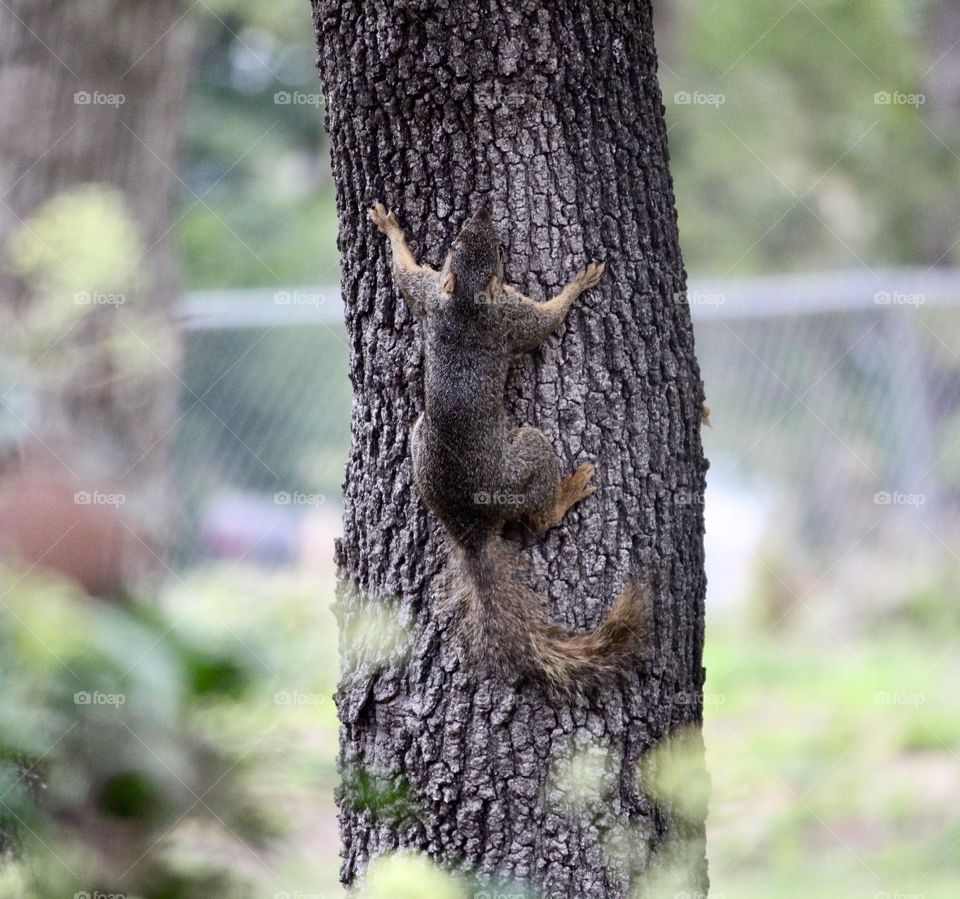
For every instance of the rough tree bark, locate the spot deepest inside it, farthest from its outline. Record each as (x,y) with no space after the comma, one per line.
(58,61)
(551,114)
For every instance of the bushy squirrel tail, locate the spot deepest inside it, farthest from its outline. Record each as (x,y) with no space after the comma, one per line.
(506,624)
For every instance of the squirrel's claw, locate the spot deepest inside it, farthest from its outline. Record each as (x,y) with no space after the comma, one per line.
(590,276)
(383,218)
(580,483)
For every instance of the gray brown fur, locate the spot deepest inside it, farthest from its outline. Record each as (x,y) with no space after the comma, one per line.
(476,473)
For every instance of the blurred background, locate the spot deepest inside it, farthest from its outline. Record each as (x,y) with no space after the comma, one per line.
(172,327)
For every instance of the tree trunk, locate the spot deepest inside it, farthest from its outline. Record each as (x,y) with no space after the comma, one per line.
(941,81)
(551,115)
(61,63)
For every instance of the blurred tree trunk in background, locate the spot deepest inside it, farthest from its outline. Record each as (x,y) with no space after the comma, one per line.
(941,78)
(92,93)
(551,114)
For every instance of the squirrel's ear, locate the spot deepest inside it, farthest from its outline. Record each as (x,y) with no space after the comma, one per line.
(448,284)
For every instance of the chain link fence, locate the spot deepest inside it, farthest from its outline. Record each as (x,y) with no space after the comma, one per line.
(835,431)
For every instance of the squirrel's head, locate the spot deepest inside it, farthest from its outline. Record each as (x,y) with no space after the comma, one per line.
(474,264)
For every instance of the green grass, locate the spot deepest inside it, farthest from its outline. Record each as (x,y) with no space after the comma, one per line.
(834,765)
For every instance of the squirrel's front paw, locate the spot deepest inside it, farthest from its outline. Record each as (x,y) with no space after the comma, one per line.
(383,218)
(589,277)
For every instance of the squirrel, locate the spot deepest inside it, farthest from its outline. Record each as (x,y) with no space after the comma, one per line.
(477,474)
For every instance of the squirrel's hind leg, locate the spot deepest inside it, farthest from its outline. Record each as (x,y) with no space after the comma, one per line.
(533,476)
(573,488)
(567,493)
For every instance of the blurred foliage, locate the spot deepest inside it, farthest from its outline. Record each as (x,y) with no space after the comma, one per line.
(796,165)
(673,774)
(105,767)
(258,209)
(407,876)
(779,144)
(82,240)
(586,778)
(161,753)
(375,633)
(78,257)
